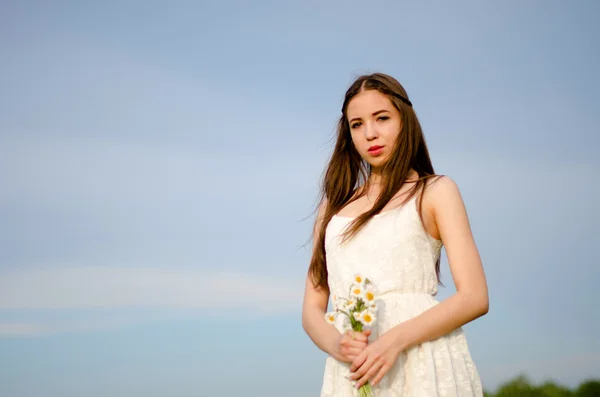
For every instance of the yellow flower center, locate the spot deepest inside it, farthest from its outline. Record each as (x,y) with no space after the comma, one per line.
(370,296)
(367,317)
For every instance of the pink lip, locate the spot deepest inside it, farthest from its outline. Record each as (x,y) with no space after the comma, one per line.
(375,150)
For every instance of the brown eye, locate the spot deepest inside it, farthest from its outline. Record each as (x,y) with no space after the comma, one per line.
(354,125)
(383,118)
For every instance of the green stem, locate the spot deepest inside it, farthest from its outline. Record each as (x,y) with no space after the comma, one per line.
(341,311)
(357,326)
(365,390)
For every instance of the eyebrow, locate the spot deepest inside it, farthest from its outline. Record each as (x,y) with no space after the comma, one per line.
(374,114)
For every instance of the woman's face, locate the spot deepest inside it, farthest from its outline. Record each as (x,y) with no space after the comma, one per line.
(374,125)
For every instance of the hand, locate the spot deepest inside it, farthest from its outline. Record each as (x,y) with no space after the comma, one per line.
(351,344)
(375,360)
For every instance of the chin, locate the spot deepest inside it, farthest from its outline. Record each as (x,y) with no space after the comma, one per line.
(376,163)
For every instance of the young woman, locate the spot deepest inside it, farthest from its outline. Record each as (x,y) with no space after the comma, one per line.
(386,215)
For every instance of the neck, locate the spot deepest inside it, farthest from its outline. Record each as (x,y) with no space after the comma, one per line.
(375,179)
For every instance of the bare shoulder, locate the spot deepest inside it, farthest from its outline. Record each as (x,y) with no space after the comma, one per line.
(452,226)
(442,204)
(441,186)
(441,192)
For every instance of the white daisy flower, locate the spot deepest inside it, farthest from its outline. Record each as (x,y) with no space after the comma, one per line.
(357,291)
(358,279)
(369,296)
(350,304)
(372,307)
(367,318)
(330,317)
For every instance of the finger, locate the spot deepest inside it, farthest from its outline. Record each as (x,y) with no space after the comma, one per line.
(362,369)
(357,344)
(367,332)
(361,336)
(374,369)
(358,361)
(384,369)
(354,335)
(347,340)
(351,352)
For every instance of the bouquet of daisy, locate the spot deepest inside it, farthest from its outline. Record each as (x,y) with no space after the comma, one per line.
(360,310)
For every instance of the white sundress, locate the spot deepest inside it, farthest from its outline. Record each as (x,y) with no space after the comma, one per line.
(398,256)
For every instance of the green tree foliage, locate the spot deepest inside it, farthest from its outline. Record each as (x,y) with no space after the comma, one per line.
(522,387)
(550,389)
(590,388)
(518,387)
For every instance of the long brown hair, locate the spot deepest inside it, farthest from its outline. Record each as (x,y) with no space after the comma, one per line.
(346,171)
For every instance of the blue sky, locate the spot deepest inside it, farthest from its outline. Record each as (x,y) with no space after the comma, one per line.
(160,162)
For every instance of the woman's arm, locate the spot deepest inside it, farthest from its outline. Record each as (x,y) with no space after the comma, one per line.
(344,347)
(471,298)
(314,307)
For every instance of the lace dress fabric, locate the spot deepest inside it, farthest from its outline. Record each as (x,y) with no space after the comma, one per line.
(398,256)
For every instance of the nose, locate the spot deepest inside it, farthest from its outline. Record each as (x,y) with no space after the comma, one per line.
(370,131)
